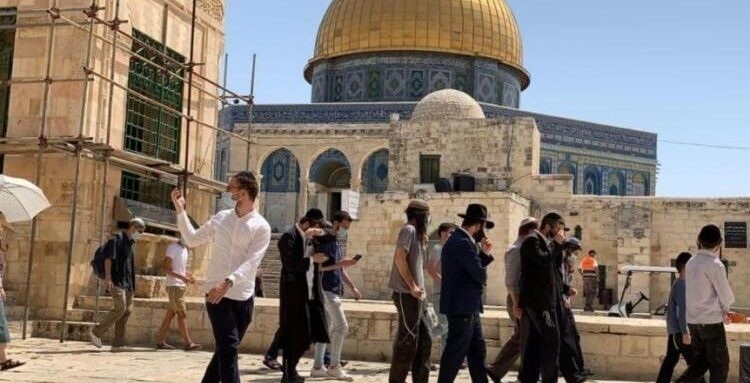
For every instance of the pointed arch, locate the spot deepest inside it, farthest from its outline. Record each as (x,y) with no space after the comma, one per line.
(375,172)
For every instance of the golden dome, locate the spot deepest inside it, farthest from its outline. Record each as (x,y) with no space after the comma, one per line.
(483,28)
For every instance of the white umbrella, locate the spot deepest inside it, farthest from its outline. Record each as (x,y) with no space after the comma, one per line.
(20,200)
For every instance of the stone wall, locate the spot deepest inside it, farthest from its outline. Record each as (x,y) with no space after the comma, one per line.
(614,348)
(381,217)
(503,149)
(653,231)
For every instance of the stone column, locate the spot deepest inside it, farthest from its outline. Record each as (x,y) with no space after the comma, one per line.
(302,196)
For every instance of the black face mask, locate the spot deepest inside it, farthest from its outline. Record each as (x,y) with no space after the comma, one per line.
(478,236)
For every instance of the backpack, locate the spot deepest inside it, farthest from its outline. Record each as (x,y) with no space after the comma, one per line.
(97,263)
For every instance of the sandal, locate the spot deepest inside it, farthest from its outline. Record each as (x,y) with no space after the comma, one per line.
(272,364)
(192,346)
(10,363)
(164,346)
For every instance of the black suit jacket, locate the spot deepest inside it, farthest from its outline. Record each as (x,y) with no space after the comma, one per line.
(539,282)
(464,271)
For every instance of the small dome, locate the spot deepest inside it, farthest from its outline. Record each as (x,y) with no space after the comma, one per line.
(447,104)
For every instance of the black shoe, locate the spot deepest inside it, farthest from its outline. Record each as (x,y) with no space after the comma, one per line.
(294,379)
(492,375)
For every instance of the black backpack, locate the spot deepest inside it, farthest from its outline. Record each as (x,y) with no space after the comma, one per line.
(97,264)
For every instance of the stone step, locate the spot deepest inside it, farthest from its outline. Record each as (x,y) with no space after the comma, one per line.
(88,302)
(51,329)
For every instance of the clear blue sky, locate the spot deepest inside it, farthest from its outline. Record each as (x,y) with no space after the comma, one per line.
(680,68)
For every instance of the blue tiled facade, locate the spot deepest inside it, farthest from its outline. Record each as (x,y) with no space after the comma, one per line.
(603,159)
(411,76)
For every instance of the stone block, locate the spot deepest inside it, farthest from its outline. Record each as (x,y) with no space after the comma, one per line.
(379,330)
(602,344)
(633,345)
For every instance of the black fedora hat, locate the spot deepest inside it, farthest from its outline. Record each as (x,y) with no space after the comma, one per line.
(479,212)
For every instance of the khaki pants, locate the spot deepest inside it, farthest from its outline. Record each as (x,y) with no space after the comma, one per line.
(590,291)
(118,317)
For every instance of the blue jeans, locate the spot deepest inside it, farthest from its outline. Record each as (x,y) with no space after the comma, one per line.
(338,328)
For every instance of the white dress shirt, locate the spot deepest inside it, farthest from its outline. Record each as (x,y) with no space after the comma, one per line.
(708,294)
(239,245)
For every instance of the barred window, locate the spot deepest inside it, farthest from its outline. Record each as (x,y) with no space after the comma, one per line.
(429,168)
(151,129)
(148,190)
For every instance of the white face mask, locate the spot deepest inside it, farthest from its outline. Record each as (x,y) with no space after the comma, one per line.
(137,235)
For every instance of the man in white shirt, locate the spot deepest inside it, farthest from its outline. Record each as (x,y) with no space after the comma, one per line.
(708,296)
(175,266)
(240,239)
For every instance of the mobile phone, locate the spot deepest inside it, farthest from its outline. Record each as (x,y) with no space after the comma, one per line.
(358,257)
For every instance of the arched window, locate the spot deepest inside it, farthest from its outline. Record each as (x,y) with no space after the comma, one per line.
(616,183)
(375,172)
(545,166)
(640,184)
(569,168)
(280,172)
(592,181)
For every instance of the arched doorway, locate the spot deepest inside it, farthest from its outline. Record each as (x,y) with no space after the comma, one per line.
(331,175)
(280,189)
(375,173)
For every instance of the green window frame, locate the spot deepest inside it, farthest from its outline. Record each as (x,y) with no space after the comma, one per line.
(7,46)
(429,168)
(145,189)
(151,129)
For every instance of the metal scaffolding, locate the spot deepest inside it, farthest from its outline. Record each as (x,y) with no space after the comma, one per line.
(108,32)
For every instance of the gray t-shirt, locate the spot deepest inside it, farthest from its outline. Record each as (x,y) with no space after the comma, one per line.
(409,241)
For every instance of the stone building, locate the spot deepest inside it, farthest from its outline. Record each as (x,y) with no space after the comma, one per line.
(373,61)
(131,112)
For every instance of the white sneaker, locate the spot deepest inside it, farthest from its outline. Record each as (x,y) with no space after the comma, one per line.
(95,339)
(319,372)
(338,373)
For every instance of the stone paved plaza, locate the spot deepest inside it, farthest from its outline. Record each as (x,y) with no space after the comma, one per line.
(79,362)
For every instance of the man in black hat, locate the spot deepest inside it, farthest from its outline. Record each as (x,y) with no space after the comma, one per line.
(464,269)
(301,313)
(539,299)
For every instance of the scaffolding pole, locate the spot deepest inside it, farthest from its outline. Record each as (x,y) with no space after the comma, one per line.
(103,208)
(38,176)
(82,125)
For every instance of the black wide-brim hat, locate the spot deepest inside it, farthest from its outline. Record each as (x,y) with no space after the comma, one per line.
(479,212)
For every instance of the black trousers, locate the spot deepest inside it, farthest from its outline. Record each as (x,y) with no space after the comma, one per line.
(465,341)
(675,348)
(229,321)
(541,347)
(711,354)
(273,349)
(570,362)
(411,348)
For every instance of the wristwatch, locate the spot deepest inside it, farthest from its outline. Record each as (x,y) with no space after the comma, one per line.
(229,282)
